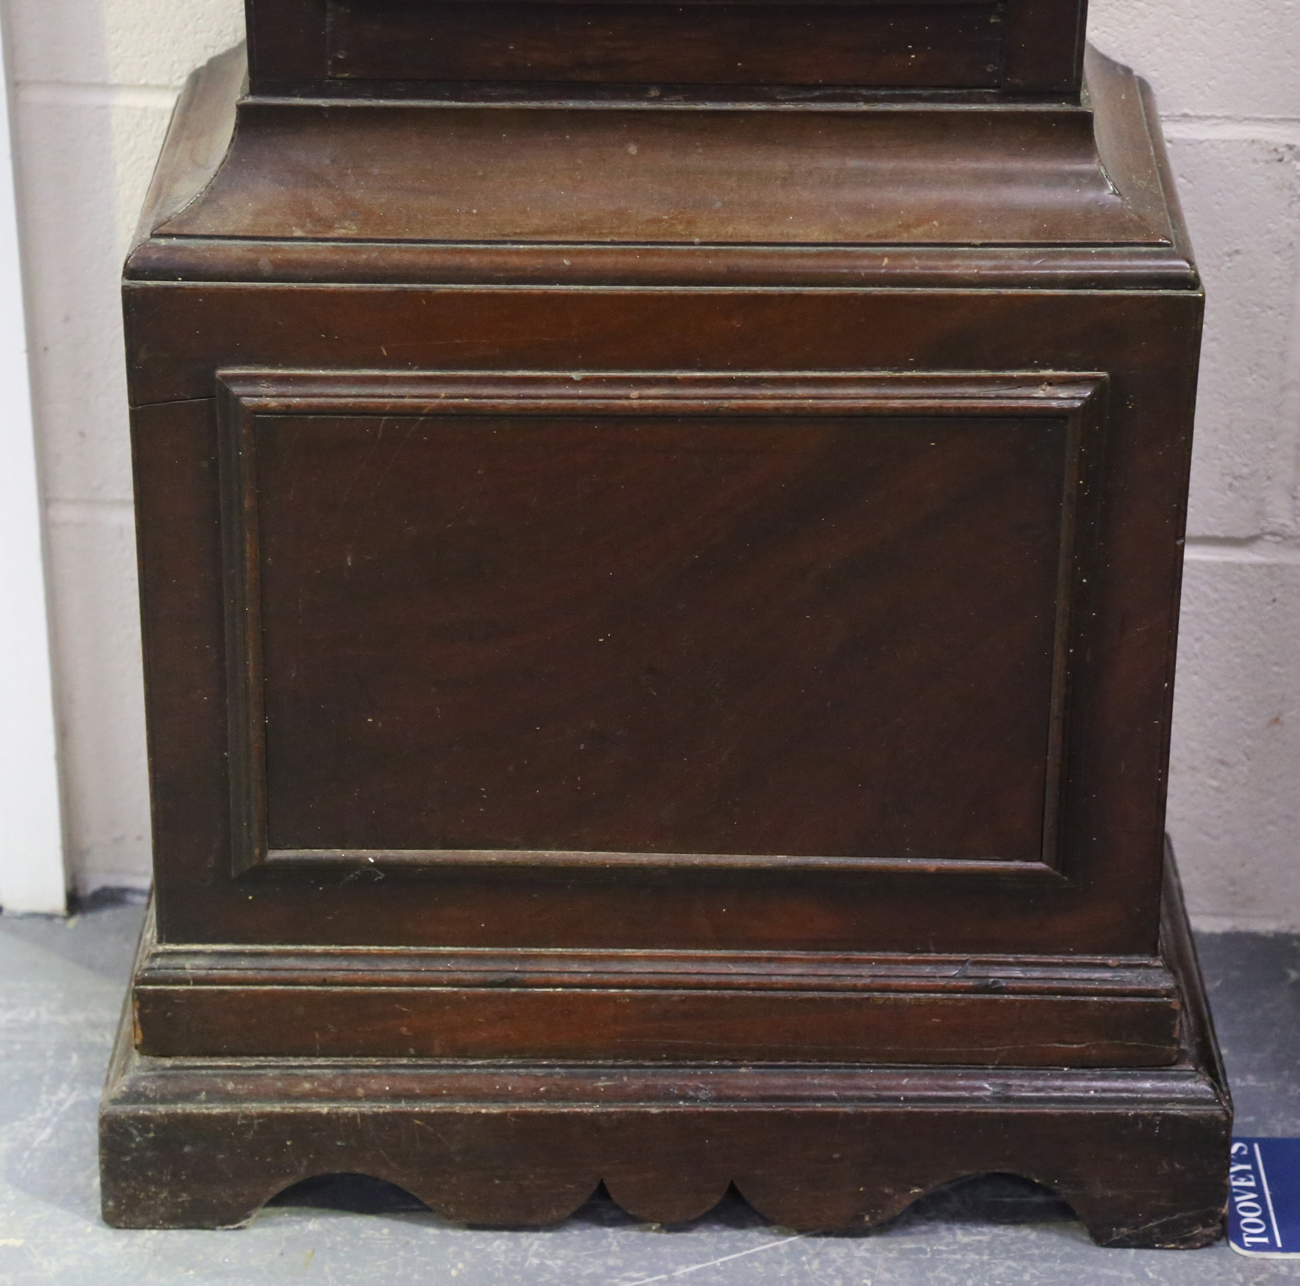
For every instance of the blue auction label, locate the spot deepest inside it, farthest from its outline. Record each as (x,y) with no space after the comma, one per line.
(1264,1197)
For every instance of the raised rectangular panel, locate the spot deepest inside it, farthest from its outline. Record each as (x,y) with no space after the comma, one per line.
(693,620)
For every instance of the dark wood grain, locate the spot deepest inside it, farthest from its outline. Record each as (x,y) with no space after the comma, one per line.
(1142,1159)
(895,175)
(668,593)
(944,45)
(502,1023)
(1044,45)
(552,642)
(654,1005)
(465,263)
(286,43)
(1140,1154)
(1147,342)
(398,48)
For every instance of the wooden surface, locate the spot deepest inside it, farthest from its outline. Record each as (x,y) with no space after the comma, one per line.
(655,1005)
(398,48)
(1092,204)
(1140,1155)
(631,578)
(474,614)
(638,176)
(956,46)
(1145,342)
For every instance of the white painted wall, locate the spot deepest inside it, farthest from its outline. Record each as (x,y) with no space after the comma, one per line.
(95,84)
(32,876)
(96,79)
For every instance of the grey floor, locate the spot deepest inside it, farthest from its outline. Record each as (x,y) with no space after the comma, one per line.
(64,983)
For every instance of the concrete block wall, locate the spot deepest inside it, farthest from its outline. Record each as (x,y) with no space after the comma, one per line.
(1227,77)
(94,83)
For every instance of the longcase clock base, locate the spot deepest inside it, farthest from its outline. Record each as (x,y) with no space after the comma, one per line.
(203,1142)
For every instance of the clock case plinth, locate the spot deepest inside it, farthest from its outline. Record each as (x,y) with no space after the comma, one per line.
(205,1141)
(921,352)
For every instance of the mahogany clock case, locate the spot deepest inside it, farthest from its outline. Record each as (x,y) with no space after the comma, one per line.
(618,48)
(659,620)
